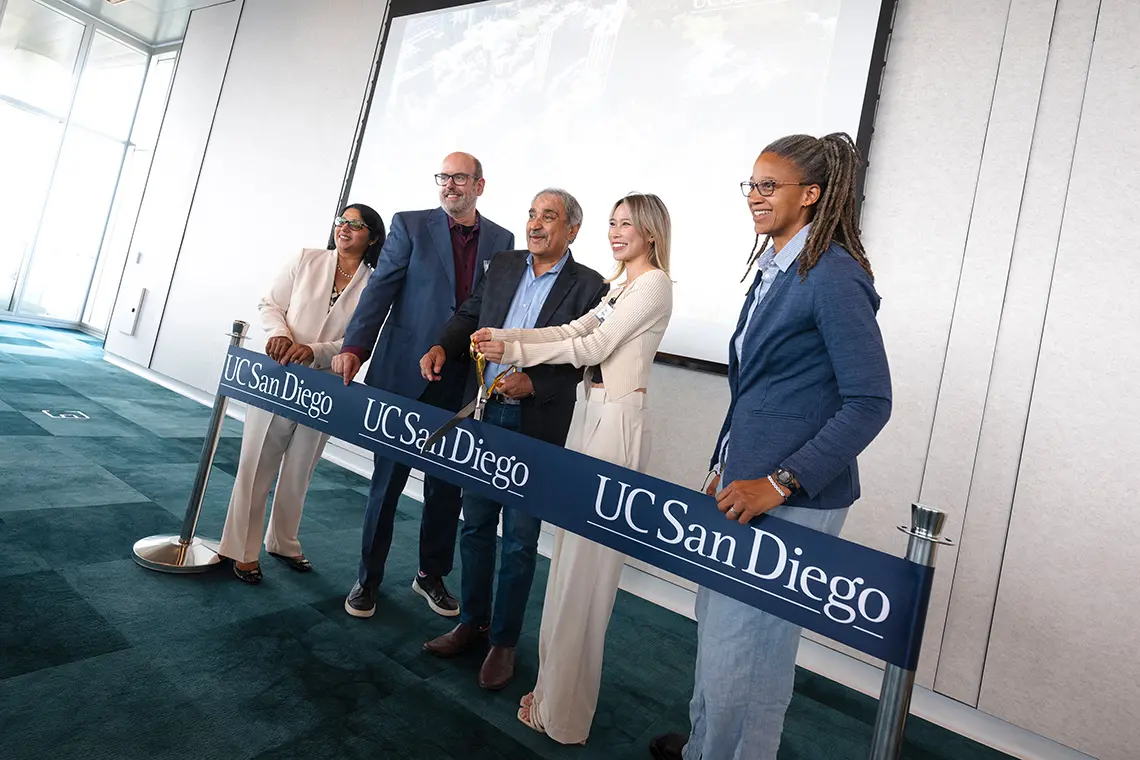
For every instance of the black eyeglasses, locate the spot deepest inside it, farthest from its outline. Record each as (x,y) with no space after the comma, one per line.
(459,179)
(353,224)
(767,186)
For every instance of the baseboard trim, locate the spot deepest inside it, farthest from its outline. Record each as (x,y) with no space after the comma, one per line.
(818,658)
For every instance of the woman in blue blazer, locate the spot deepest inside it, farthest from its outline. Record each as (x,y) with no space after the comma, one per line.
(810,390)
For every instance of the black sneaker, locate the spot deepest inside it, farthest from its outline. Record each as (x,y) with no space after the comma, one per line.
(360,602)
(437,595)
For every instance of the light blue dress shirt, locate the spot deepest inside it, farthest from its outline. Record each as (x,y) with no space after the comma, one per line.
(529,297)
(769,264)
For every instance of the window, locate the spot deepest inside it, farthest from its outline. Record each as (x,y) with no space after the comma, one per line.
(79,114)
(128,199)
(28,152)
(72,227)
(109,88)
(39,48)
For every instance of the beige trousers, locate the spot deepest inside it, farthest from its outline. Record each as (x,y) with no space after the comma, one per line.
(584,579)
(270,446)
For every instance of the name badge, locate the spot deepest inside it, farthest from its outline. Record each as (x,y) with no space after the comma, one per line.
(604,312)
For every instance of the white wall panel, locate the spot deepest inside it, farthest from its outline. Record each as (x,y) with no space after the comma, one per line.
(173,176)
(981,285)
(1062,657)
(922,177)
(272,173)
(1010,386)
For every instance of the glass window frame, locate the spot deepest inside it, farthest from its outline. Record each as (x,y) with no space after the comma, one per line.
(92,27)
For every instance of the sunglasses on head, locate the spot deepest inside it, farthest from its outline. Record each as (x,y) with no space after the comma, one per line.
(353,224)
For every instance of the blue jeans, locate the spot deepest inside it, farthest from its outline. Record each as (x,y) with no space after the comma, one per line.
(746,667)
(477,549)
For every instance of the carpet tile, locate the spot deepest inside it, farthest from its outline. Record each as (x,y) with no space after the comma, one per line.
(44,622)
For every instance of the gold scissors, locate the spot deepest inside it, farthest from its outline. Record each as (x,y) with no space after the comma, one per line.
(477,405)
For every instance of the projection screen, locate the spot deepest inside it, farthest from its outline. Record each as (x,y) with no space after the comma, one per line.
(605,97)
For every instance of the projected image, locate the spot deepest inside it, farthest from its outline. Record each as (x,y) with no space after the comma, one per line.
(604,97)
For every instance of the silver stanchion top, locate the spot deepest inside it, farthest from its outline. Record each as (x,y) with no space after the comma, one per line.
(926,522)
(240,328)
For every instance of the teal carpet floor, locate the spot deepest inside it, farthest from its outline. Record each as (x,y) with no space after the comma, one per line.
(103,660)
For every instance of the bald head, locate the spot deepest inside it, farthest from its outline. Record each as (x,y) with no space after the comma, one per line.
(461,184)
(463,162)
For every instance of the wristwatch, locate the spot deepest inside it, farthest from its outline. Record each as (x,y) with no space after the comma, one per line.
(786,479)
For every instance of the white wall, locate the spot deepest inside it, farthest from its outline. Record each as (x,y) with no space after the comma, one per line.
(1011,384)
(272,173)
(1062,655)
(171,184)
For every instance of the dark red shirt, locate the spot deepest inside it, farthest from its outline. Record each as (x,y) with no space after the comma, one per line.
(465,249)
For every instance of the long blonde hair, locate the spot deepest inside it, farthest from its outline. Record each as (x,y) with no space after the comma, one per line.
(649,215)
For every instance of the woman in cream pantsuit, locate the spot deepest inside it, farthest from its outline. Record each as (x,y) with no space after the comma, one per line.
(616,343)
(305,314)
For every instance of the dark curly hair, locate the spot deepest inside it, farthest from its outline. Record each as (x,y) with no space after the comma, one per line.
(831,162)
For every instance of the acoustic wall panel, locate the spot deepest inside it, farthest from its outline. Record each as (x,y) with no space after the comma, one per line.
(981,284)
(1062,657)
(999,450)
(922,176)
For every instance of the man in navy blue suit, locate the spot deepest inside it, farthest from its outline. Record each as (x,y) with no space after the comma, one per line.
(430,264)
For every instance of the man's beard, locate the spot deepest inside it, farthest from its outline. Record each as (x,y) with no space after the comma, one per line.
(458,206)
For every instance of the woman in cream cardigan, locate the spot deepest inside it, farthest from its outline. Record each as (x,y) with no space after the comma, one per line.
(305,314)
(616,343)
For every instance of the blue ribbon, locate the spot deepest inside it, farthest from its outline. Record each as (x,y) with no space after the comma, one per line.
(861,597)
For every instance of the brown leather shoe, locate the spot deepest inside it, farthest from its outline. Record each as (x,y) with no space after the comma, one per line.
(457,641)
(498,669)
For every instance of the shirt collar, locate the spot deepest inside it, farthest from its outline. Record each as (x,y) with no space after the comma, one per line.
(792,249)
(452,224)
(554,269)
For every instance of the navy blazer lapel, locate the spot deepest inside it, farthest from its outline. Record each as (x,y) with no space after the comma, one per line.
(440,231)
(558,292)
(489,245)
(499,305)
(733,357)
(753,339)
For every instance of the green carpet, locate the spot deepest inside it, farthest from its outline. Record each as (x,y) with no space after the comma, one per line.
(105,660)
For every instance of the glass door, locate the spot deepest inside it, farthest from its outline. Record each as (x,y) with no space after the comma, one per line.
(128,197)
(39,55)
(79,116)
(86,176)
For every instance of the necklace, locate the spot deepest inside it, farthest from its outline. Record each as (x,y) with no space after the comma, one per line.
(343,273)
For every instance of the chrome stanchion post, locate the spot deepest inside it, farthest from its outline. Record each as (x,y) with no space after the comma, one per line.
(925,533)
(187,553)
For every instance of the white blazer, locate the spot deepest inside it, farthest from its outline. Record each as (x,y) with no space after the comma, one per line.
(297,304)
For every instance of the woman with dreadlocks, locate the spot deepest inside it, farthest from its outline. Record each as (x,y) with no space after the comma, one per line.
(810,390)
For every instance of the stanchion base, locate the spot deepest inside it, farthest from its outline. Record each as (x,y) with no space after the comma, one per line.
(167,554)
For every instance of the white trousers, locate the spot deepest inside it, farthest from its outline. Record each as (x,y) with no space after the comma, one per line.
(270,446)
(583,580)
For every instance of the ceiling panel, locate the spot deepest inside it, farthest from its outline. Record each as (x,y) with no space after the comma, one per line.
(155,22)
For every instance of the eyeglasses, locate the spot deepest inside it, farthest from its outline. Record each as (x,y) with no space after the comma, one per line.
(353,224)
(459,179)
(767,187)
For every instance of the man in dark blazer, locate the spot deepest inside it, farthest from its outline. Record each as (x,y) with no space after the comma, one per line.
(540,287)
(429,265)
